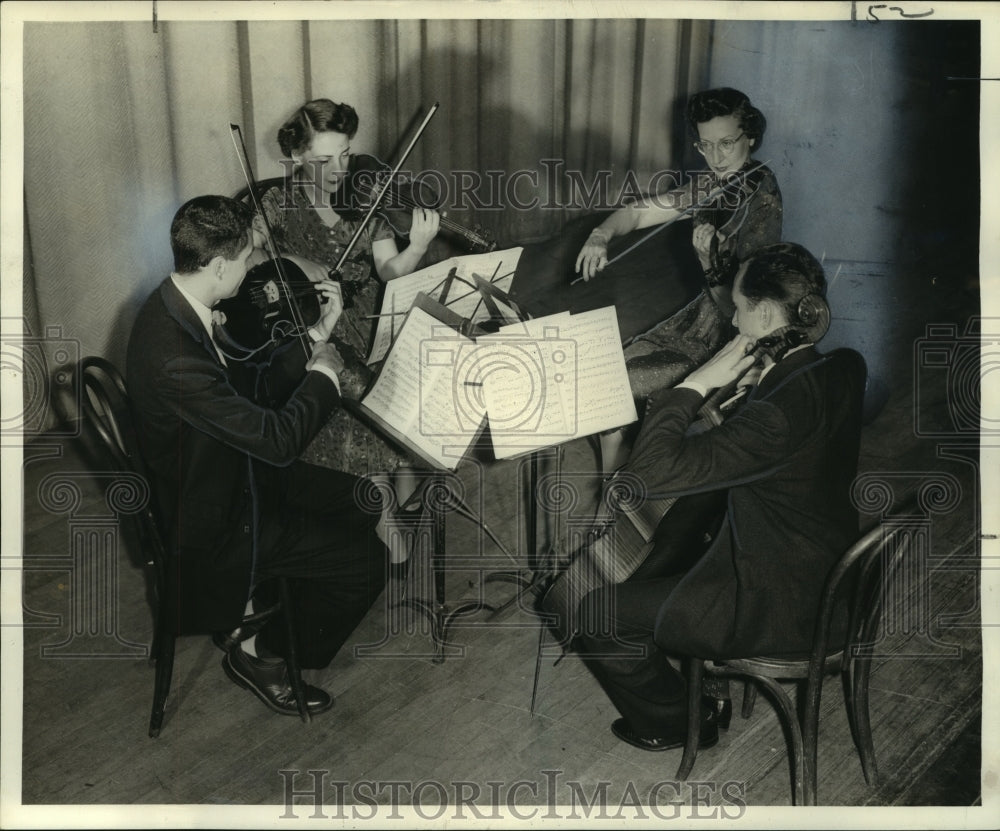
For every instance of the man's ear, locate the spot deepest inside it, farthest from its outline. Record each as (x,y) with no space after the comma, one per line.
(766,311)
(217,265)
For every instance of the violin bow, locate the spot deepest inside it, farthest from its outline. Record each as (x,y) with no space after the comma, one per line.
(701,203)
(244,159)
(385,187)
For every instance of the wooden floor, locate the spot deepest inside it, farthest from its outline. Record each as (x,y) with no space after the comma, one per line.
(462,730)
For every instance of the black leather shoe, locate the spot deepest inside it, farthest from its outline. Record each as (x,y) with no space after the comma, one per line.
(623,730)
(268,680)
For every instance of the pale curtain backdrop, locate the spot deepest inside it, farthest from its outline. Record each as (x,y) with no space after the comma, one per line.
(122,124)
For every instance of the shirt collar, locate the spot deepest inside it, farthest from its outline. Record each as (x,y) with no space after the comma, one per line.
(204,312)
(767,369)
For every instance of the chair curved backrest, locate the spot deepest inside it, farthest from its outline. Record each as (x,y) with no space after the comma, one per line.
(861,571)
(856,580)
(263,186)
(107,411)
(855,572)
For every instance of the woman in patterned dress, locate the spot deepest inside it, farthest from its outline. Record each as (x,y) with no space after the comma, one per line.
(727,229)
(309,217)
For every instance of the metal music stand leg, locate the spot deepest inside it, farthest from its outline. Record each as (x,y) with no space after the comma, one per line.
(540,565)
(439,499)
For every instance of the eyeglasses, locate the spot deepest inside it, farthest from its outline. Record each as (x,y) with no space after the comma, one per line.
(725,145)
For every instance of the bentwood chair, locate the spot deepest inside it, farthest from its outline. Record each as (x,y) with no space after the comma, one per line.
(853,589)
(105,403)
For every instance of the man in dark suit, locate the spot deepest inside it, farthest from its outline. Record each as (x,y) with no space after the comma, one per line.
(234,503)
(784,462)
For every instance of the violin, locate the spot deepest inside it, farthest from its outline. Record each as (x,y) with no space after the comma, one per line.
(265,309)
(726,211)
(258,315)
(368,176)
(735,190)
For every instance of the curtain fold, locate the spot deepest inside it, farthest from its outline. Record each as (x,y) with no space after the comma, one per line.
(122,124)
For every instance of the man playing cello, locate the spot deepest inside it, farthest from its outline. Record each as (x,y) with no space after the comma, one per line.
(785,461)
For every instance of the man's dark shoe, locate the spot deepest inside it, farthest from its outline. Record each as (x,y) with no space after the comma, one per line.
(623,730)
(268,680)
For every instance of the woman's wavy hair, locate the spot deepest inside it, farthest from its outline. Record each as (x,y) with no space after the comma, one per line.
(708,104)
(320,115)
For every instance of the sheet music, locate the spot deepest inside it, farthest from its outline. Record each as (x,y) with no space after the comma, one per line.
(554,378)
(414,394)
(497,267)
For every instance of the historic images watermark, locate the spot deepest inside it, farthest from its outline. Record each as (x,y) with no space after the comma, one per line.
(539,376)
(42,367)
(549,186)
(318,794)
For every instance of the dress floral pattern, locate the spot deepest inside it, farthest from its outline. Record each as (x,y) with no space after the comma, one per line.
(345,443)
(748,218)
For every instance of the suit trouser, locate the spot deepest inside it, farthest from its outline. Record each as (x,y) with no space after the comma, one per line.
(618,621)
(618,648)
(321,534)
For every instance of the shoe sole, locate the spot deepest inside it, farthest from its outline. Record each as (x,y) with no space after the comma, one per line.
(703,744)
(239,680)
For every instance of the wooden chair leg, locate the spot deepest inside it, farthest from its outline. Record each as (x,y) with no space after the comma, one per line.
(165,642)
(801,793)
(695,671)
(292,655)
(862,719)
(542,630)
(810,740)
(749,698)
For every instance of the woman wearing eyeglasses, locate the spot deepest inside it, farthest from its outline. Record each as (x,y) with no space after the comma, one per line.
(735,208)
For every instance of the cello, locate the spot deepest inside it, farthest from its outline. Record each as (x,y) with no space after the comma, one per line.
(618,547)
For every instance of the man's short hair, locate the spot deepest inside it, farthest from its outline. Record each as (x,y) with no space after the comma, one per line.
(207,227)
(784,272)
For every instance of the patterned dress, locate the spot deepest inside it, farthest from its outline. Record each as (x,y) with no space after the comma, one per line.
(749,217)
(345,443)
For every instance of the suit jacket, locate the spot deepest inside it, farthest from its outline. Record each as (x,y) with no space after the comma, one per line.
(787,459)
(202,437)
